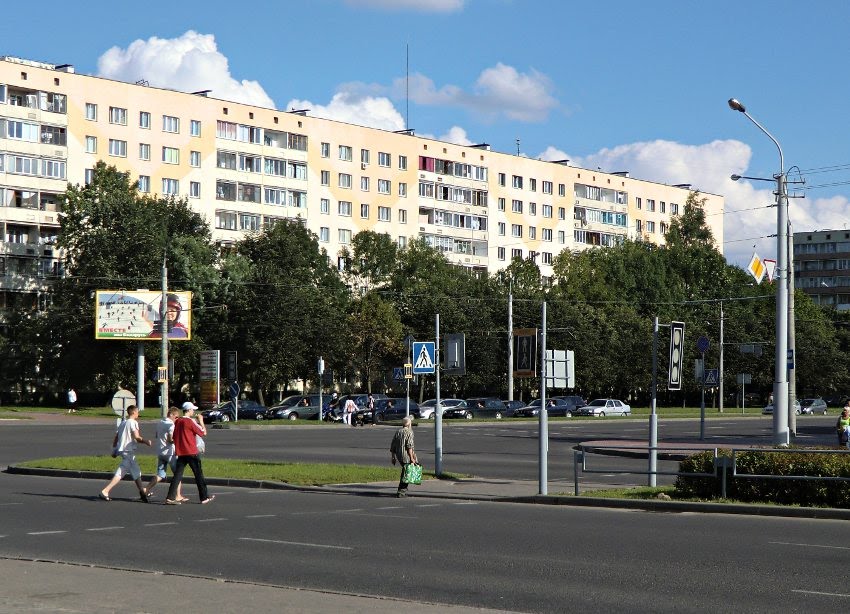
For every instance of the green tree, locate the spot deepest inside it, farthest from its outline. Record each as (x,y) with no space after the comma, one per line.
(376,332)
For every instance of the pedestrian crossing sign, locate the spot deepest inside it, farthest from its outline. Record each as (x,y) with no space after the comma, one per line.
(423,357)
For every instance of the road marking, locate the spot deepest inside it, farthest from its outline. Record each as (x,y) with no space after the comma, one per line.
(286,543)
(261,516)
(389,507)
(465,503)
(11,503)
(810,545)
(356,509)
(158,524)
(104,528)
(211,519)
(820,593)
(46,532)
(429,505)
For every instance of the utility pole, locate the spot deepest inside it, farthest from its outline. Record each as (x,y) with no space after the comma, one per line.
(510,340)
(720,383)
(163,327)
(792,333)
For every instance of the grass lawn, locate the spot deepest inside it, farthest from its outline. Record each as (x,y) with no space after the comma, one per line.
(292,473)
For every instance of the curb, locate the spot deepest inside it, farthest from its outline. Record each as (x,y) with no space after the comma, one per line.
(647,505)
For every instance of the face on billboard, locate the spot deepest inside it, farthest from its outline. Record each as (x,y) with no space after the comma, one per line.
(135,314)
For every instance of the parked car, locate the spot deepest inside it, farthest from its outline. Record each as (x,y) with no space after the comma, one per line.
(556,406)
(426,409)
(293,408)
(478,407)
(393,409)
(604,407)
(224,412)
(512,406)
(768,410)
(812,406)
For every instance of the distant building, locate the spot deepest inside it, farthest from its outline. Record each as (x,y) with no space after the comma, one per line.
(822,266)
(244,168)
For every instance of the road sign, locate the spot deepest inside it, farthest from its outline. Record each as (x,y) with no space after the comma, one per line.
(454,354)
(121,400)
(702,344)
(525,352)
(234,391)
(677,355)
(712,377)
(790,359)
(398,374)
(423,357)
(408,371)
(745,378)
(232,372)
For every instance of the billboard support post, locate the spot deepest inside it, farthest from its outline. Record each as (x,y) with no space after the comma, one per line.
(163,319)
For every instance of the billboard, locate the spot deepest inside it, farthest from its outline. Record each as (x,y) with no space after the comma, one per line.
(134,314)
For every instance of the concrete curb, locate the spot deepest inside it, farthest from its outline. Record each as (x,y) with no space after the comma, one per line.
(648,505)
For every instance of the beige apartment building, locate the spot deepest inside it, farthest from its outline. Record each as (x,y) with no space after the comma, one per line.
(245,168)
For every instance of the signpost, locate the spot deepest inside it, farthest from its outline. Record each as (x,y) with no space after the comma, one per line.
(209,378)
(702,347)
(121,400)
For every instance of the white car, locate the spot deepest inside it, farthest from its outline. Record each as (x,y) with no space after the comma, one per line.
(426,409)
(604,407)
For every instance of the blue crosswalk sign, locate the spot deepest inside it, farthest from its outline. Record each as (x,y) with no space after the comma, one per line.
(398,374)
(423,357)
(712,377)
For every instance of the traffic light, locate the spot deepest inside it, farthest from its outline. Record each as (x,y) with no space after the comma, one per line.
(677,355)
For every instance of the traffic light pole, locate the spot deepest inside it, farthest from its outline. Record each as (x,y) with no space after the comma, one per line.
(653,416)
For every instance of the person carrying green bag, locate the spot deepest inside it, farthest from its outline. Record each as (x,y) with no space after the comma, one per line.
(402,451)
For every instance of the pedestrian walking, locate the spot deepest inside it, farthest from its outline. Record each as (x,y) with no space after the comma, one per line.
(124,445)
(186,432)
(348,411)
(370,405)
(71,397)
(165,457)
(842,427)
(403,452)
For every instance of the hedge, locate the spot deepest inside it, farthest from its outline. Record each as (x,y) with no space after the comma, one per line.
(807,493)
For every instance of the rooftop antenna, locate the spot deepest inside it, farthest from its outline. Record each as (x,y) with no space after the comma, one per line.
(517,147)
(407,86)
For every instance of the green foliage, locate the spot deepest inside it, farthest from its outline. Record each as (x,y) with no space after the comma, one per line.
(828,493)
(376,332)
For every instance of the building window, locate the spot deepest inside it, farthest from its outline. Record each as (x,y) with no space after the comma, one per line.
(364,156)
(547,211)
(324,234)
(225,190)
(364,184)
(547,187)
(402,216)
(402,242)
(225,220)
(532,184)
(344,208)
(144,183)
(547,234)
(345,153)
(662,206)
(91,144)
(502,179)
(248,193)
(364,211)
(326,150)
(117,148)
(117,115)
(226,159)
(91,111)
(344,236)
(650,226)
(249,222)
(650,204)
(195,159)
(89,176)
(562,237)
(532,232)
(325,206)
(144,151)
(547,257)
(402,189)
(275,196)
(402,163)
(638,202)
(170,123)
(663,228)
(532,208)
(516,254)
(296,170)
(144,120)
(638,226)
(171,155)
(501,253)
(250,164)
(383,214)
(562,189)
(501,229)
(384,186)
(345,180)
(326,177)
(674,209)
(516,206)
(516,181)
(194,189)
(516,230)
(384,159)
(194,127)
(170,186)
(562,213)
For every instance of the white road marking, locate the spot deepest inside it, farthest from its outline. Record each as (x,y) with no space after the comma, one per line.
(389,507)
(211,519)
(810,545)
(105,528)
(158,524)
(429,505)
(287,543)
(820,593)
(356,509)
(465,503)
(11,503)
(46,532)
(261,516)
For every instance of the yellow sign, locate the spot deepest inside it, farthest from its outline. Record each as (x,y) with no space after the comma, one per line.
(757,268)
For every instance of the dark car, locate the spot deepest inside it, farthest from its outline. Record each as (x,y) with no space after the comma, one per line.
(512,406)
(556,406)
(224,412)
(478,407)
(293,408)
(394,409)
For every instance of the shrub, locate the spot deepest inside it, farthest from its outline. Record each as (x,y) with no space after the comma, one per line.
(790,491)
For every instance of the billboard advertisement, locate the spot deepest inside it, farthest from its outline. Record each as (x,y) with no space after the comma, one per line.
(134,314)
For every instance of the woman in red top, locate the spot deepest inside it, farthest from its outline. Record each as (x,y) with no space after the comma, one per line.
(186,450)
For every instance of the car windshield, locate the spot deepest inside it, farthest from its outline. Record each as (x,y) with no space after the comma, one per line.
(598,402)
(534,403)
(808,401)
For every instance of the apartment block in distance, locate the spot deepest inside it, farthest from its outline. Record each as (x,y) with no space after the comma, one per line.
(822,266)
(245,168)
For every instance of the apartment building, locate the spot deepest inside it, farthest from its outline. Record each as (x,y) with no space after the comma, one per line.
(822,266)
(245,168)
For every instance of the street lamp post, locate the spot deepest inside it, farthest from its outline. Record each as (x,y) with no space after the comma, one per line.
(780,380)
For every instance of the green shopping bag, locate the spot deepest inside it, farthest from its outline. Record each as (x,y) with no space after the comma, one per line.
(413,473)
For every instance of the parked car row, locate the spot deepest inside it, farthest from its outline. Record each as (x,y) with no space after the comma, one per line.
(803,406)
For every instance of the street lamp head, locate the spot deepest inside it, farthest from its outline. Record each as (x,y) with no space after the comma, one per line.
(735,177)
(735,105)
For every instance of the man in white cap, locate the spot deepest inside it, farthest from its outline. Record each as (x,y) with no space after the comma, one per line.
(186,430)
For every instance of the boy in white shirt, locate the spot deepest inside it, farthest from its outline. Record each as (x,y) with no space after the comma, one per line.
(124,445)
(165,451)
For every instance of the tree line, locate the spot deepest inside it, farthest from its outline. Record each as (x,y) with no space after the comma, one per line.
(280,301)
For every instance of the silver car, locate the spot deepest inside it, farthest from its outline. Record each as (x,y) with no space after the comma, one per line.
(426,409)
(604,407)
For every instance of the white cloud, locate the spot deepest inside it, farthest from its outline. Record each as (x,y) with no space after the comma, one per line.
(432,6)
(748,221)
(191,62)
(499,91)
(455,134)
(375,112)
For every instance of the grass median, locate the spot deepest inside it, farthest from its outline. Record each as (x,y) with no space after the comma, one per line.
(301,474)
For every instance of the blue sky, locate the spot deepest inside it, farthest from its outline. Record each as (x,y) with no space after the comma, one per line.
(621,85)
